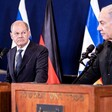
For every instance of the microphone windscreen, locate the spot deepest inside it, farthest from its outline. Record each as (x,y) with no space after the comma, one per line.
(90,48)
(4,52)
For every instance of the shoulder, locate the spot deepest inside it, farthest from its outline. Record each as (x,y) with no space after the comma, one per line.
(12,50)
(37,45)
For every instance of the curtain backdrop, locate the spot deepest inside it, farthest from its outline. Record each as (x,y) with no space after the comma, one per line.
(70,18)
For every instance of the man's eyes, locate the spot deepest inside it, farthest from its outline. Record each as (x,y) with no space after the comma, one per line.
(22,33)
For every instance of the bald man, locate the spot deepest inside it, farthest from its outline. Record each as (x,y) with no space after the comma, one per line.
(102,66)
(28,61)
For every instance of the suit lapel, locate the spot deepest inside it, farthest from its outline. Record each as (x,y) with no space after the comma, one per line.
(12,61)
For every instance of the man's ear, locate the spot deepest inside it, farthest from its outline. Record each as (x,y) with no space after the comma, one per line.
(11,35)
(29,33)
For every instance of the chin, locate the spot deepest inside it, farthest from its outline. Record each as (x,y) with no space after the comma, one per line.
(20,45)
(105,38)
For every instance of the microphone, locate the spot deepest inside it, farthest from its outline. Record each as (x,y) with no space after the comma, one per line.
(90,62)
(85,54)
(3,52)
(94,55)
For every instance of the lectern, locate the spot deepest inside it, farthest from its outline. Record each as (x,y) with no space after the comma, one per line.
(5,97)
(30,97)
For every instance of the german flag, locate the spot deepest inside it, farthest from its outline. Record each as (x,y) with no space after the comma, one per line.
(48,39)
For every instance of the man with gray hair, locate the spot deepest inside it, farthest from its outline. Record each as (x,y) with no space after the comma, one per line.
(102,66)
(28,61)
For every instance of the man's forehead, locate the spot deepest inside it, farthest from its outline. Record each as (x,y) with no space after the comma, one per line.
(19,27)
(104,14)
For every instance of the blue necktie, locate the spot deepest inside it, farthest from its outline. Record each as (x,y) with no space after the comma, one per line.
(18,60)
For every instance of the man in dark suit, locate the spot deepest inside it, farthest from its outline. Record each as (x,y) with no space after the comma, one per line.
(31,65)
(102,66)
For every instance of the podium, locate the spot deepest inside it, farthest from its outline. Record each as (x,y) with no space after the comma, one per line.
(31,97)
(5,97)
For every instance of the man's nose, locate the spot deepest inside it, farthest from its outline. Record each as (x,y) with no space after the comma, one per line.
(20,34)
(99,28)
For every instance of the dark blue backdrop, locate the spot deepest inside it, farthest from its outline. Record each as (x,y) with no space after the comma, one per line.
(70,19)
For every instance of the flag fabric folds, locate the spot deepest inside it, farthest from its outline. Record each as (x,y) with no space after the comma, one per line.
(48,39)
(21,14)
(91,35)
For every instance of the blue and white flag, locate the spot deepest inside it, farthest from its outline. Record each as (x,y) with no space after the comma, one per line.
(22,15)
(91,35)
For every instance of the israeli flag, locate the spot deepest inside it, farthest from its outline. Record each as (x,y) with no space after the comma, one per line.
(21,15)
(91,35)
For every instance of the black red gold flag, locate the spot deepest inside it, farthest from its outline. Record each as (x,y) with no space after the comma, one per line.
(48,39)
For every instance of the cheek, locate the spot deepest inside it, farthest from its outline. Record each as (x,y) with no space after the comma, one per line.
(15,39)
(109,31)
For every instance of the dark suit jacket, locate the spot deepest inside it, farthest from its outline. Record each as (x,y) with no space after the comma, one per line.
(102,67)
(34,66)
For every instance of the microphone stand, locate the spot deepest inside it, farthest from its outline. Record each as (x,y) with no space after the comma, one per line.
(89,63)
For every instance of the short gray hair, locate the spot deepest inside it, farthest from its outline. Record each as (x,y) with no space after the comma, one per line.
(19,21)
(108,9)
